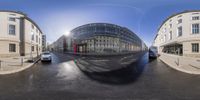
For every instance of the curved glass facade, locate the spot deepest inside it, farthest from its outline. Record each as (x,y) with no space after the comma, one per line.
(104,38)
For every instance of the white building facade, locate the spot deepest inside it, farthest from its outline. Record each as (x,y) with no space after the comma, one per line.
(180,35)
(19,35)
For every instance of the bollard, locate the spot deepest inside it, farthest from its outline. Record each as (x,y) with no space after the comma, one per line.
(178,61)
(22,62)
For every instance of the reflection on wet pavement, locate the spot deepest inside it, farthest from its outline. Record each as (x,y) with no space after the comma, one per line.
(67,70)
(122,75)
(101,64)
(62,79)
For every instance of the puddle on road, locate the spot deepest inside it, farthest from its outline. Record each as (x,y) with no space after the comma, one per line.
(68,70)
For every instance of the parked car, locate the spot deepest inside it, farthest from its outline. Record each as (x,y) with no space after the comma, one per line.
(46,56)
(153,52)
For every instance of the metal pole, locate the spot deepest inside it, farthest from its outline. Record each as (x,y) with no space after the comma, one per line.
(22,62)
(0,64)
(31,56)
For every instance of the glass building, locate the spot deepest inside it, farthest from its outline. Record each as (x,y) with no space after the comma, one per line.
(105,38)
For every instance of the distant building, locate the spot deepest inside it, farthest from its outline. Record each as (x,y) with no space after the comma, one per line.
(19,35)
(61,45)
(44,44)
(105,38)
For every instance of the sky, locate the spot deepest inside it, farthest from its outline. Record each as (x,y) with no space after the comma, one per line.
(58,17)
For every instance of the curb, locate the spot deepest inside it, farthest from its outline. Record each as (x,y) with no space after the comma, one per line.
(180,69)
(20,69)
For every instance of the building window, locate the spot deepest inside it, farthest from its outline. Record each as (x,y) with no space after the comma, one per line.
(194,13)
(195,18)
(195,28)
(179,21)
(164,38)
(32,37)
(12,19)
(164,30)
(180,31)
(12,29)
(12,14)
(170,35)
(12,47)
(195,47)
(33,26)
(32,48)
(36,38)
(170,25)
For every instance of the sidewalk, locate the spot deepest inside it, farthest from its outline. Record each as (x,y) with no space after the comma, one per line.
(14,64)
(180,63)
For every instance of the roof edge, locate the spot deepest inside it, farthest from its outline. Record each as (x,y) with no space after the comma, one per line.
(25,16)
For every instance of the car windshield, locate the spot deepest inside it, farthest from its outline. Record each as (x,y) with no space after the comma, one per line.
(153,48)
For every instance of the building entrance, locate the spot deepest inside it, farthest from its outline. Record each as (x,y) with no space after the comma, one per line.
(176,49)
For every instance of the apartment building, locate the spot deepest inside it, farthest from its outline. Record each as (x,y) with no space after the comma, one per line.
(19,35)
(179,34)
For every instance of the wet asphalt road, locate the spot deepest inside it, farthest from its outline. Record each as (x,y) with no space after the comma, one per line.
(63,80)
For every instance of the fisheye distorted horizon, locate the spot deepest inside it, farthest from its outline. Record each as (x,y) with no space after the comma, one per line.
(56,18)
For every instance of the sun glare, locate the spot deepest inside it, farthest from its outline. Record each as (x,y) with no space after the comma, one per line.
(67,33)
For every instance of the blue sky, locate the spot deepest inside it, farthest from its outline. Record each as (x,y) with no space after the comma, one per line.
(56,17)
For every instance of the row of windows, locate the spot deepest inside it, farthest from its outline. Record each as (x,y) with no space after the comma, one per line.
(12,48)
(195,30)
(33,27)
(195,18)
(14,20)
(11,19)
(37,38)
(12,31)
(180,21)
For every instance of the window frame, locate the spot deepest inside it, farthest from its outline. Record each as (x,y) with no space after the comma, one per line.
(178,31)
(195,30)
(195,47)
(12,49)
(195,17)
(13,31)
(12,19)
